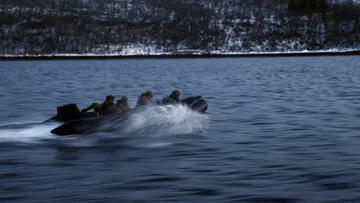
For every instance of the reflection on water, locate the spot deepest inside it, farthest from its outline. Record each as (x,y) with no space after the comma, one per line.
(277,130)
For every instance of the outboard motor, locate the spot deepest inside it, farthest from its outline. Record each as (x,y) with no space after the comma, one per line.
(196,103)
(68,112)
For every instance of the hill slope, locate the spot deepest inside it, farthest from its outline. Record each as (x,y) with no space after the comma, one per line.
(131,27)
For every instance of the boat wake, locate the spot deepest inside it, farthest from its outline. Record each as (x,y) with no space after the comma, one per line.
(166,120)
(154,123)
(26,132)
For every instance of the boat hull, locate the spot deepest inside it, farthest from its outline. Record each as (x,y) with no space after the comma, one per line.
(90,121)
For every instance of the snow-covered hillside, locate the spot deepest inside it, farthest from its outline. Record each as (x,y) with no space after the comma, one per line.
(154,27)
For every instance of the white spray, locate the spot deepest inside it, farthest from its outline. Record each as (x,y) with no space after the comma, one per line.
(166,120)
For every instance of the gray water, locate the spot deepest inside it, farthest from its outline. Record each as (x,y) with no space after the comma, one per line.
(276,130)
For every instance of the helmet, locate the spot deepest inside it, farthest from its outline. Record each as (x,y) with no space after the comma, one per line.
(149,94)
(110,97)
(175,93)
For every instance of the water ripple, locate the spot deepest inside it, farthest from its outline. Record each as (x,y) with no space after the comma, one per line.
(277,130)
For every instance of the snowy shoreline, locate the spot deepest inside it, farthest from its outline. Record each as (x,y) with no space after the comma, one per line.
(185,54)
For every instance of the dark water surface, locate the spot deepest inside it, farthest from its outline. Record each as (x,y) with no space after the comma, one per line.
(277,130)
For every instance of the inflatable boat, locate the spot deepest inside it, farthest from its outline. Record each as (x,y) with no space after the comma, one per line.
(75,122)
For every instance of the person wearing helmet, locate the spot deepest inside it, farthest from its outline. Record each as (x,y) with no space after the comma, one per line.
(122,105)
(173,98)
(107,107)
(145,99)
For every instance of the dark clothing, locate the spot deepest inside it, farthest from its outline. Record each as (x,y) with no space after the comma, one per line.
(98,108)
(174,99)
(93,105)
(107,107)
(122,107)
(144,101)
(171,99)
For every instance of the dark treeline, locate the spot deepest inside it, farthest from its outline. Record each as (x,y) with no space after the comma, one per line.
(111,26)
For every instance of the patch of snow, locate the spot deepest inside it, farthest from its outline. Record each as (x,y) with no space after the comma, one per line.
(132,50)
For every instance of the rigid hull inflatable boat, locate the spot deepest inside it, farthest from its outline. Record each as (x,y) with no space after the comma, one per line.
(75,122)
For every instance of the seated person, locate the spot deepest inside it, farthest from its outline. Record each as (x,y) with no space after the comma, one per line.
(107,107)
(145,99)
(122,106)
(173,98)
